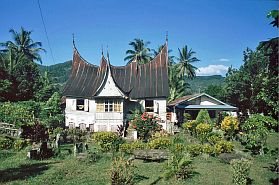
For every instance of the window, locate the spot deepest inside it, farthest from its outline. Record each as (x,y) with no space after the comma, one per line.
(100,106)
(117,106)
(80,104)
(149,105)
(108,106)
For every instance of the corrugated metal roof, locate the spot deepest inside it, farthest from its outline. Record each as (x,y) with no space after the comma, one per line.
(209,107)
(137,81)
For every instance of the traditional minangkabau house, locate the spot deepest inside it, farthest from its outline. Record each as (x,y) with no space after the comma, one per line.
(101,97)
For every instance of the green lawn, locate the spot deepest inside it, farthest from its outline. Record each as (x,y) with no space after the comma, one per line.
(16,169)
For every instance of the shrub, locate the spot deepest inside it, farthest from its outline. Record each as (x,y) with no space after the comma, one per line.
(194,149)
(107,140)
(255,133)
(214,138)
(159,143)
(122,172)
(229,125)
(6,143)
(75,135)
(207,149)
(240,170)
(130,147)
(179,167)
(190,126)
(146,124)
(223,146)
(20,144)
(203,117)
(202,130)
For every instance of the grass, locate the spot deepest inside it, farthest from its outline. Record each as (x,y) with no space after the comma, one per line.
(16,169)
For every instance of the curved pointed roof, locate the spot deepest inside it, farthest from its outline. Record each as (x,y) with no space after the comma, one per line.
(136,81)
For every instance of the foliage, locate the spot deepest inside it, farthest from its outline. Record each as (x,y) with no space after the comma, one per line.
(145,124)
(194,149)
(214,138)
(203,117)
(6,143)
(36,132)
(140,53)
(223,146)
(159,143)
(253,87)
(203,130)
(179,167)
(240,169)
(75,135)
(256,131)
(130,147)
(19,113)
(51,114)
(217,91)
(185,60)
(230,125)
(17,60)
(20,144)
(207,149)
(122,172)
(107,140)
(190,126)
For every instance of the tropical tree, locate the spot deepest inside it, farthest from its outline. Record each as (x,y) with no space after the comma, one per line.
(24,45)
(140,52)
(185,62)
(176,84)
(17,60)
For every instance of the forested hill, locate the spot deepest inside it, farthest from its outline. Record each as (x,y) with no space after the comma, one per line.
(200,83)
(60,73)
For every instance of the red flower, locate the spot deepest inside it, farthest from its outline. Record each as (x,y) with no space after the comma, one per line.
(144,116)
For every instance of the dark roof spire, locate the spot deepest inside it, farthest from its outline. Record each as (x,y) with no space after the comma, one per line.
(167,36)
(108,53)
(102,50)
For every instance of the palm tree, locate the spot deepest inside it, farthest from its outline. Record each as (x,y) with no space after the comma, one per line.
(176,84)
(140,52)
(185,60)
(22,48)
(23,45)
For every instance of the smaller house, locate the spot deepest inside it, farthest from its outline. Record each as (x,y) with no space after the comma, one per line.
(192,104)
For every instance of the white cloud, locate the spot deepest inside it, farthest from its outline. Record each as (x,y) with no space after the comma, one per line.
(212,70)
(223,60)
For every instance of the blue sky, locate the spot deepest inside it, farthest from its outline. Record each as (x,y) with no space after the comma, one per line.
(218,30)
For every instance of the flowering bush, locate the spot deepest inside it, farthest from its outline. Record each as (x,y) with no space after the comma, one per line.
(145,125)
(229,125)
(203,130)
(207,149)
